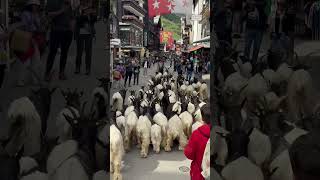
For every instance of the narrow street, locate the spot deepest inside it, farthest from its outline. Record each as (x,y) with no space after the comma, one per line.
(156,166)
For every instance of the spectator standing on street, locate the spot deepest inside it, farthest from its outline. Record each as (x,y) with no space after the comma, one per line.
(237,12)
(145,67)
(3,54)
(61,34)
(129,71)
(255,24)
(189,69)
(223,22)
(136,73)
(84,34)
(197,144)
(30,19)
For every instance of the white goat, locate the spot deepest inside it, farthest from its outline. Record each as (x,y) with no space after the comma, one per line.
(242,169)
(130,130)
(63,127)
(160,119)
(117,100)
(203,92)
(175,131)
(121,122)
(62,163)
(100,175)
(143,130)
(29,133)
(259,147)
(187,121)
(156,137)
(116,152)
(27,164)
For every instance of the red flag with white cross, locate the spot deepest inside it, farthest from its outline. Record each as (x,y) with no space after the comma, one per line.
(160,7)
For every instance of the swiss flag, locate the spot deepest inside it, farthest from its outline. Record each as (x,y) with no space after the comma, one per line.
(160,7)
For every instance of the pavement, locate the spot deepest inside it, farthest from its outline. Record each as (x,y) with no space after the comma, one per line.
(86,83)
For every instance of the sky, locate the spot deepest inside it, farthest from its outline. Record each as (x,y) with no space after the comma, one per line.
(180,9)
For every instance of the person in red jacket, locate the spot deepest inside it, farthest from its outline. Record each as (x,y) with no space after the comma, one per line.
(197,144)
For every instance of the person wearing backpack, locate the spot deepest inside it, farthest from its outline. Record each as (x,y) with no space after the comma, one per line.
(197,144)
(255,18)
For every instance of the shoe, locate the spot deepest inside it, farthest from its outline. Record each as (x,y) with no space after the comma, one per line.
(62,76)
(77,71)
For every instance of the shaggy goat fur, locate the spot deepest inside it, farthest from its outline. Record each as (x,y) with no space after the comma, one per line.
(301,96)
(63,127)
(259,147)
(62,164)
(175,131)
(31,137)
(116,152)
(156,137)
(118,104)
(162,121)
(187,121)
(241,169)
(143,135)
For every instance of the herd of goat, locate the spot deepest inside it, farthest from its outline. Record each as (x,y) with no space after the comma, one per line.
(265,107)
(165,110)
(79,151)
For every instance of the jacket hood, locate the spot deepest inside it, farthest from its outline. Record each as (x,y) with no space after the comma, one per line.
(205,130)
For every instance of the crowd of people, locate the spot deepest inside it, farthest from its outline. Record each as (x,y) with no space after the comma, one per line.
(191,65)
(255,20)
(67,21)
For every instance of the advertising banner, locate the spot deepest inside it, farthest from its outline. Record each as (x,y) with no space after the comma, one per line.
(166,37)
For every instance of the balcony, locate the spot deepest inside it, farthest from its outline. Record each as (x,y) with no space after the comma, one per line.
(132,20)
(134,7)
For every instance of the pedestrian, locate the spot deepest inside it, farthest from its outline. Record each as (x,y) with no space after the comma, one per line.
(237,12)
(304,157)
(223,22)
(61,34)
(189,70)
(117,76)
(30,61)
(129,71)
(255,24)
(136,73)
(84,34)
(145,66)
(3,54)
(197,144)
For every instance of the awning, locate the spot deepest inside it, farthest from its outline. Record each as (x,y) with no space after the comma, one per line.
(194,48)
(205,39)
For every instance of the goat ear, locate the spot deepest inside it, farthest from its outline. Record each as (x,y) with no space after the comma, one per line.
(64,94)
(81,94)
(20,153)
(250,131)
(70,120)
(53,90)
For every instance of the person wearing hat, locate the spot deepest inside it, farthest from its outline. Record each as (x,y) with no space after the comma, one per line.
(30,19)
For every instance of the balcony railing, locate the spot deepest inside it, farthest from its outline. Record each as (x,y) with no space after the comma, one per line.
(205,11)
(132,20)
(134,7)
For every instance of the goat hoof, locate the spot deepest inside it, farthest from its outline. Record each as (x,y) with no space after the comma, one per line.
(167,149)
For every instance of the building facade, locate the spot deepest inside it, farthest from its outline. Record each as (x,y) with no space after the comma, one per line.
(186,32)
(131,27)
(197,7)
